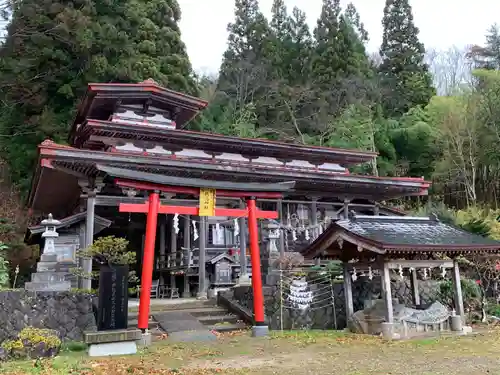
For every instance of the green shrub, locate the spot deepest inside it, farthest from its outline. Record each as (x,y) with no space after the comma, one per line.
(471,293)
(33,343)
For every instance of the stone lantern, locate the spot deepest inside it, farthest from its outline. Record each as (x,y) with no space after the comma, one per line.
(50,234)
(48,278)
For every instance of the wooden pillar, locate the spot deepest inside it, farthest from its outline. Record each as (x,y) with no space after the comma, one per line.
(314,218)
(283,233)
(173,252)
(349,303)
(387,294)
(346,208)
(187,245)
(260,328)
(163,239)
(376,209)
(457,286)
(243,244)
(414,288)
(89,236)
(202,287)
(148,261)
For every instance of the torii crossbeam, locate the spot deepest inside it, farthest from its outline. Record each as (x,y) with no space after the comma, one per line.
(153,207)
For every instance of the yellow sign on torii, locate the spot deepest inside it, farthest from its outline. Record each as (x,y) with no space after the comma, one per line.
(207,202)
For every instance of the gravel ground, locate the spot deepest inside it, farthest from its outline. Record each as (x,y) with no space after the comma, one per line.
(292,353)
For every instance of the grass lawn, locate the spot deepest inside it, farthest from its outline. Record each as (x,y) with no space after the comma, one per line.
(293,353)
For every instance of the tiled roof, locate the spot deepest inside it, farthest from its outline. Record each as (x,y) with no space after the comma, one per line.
(399,233)
(411,231)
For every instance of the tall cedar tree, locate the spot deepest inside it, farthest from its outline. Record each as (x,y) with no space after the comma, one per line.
(300,48)
(405,78)
(487,57)
(54,48)
(244,67)
(279,41)
(326,60)
(340,66)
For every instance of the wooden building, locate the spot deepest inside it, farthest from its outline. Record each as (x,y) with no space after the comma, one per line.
(137,132)
(414,247)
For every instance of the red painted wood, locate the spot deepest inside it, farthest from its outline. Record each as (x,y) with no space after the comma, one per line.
(187,210)
(148,260)
(194,191)
(258,295)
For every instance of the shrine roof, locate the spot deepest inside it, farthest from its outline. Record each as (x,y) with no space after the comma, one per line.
(95,133)
(66,165)
(33,233)
(397,234)
(165,180)
(101,100)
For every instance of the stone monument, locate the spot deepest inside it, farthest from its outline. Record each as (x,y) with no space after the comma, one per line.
(270,254)
(47,277)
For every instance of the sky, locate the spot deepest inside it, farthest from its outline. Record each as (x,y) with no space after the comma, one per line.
(442,24)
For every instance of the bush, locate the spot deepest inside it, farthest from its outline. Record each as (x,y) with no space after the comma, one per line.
(471,293)
(32,343)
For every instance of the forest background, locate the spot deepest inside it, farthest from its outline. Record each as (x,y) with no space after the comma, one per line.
(434,114)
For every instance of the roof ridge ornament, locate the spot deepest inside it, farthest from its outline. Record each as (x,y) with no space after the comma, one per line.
(150,81)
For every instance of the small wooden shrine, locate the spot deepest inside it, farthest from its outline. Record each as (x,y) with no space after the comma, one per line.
(408,245)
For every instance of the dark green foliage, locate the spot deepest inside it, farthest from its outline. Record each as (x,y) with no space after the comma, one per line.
(477,226)
(54,48)
(405,78)
(471,293)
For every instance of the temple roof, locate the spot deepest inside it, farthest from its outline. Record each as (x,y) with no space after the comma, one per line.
(101,99)
(34,232)
(66,165)
(97,134)
(165,180)
(397,235)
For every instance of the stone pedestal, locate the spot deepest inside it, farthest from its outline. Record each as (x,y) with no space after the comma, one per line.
(117,342)
(270,255)
(49,277)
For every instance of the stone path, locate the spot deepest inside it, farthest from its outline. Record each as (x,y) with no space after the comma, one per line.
(183,327)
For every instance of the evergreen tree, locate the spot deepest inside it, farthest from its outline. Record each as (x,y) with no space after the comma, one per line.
(488,57)
(405,77)
(54,48)
(326,58)
(300,48)
(353,17)
(279,42)
(243,67)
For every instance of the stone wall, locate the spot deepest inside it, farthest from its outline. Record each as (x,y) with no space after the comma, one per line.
(66,312)
(323,313)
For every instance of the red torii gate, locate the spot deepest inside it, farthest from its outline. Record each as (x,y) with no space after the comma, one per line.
(153,207)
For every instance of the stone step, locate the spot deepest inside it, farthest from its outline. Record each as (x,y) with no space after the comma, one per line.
(46,266)
(214,319)
(151,323)
(177,306)
(40,286)
(228,327)
(48,258)
(51,277)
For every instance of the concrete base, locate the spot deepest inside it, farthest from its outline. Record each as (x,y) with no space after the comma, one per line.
(244,280)
(145,340)
(260,331)
(456,323)
(387,331)
(46,286)
(112,348)
(467,330)
(201,296)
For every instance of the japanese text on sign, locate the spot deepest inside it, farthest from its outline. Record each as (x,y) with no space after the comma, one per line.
(207,202)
